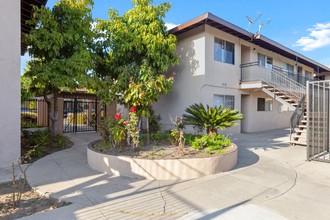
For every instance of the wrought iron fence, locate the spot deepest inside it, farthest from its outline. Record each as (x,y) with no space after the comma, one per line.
(318,120)
(80,115)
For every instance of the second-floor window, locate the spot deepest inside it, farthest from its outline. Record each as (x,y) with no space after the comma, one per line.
(289,68)
(308,75)
(265,61)
(224,51)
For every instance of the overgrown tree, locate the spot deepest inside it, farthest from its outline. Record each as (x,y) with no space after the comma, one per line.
(60,47)
(137,51)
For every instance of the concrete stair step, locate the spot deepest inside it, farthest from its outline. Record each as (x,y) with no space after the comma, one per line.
(303,140)
(302,143)
(284,96)
(300,131)
(299,134)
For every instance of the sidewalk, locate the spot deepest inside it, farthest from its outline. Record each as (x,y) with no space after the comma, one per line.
(271,181)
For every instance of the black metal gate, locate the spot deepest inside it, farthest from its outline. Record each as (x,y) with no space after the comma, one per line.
(80,115)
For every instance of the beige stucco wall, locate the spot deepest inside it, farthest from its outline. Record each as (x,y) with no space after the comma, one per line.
(262,120)
(221,78)
(162,169)
(9,82)
(199,77)
(278,60)
(189,78)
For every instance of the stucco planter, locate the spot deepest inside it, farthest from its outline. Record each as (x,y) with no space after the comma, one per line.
(161,169)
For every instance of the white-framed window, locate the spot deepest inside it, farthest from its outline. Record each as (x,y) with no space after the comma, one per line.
(308,75)
(289,68)
(224,51)
(265,61)
(224,100)
(264,104)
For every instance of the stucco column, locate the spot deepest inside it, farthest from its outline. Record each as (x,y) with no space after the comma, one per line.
(10,101)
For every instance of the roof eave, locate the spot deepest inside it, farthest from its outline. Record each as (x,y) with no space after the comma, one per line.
(262,41)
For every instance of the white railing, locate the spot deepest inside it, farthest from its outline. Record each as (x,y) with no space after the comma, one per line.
(287,85)
(274,77)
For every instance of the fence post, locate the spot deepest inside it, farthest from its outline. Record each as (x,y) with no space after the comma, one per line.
(308,121)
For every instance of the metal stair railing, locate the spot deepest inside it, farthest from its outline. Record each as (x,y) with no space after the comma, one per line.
(275,77)
(287,85)
(297,115)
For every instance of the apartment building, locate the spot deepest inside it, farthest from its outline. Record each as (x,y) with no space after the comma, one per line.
(223,64)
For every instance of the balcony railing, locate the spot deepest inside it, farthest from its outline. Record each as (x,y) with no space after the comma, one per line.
(275,77)
(254,71)
(294,76)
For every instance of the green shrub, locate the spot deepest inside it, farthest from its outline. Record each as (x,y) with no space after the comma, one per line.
(29,120)
(158,137)
(41,142)
(211,142)
(174,137)
(59,141)
(28,124)
(175,133)
(211,118)
(190,138)
(113,131)
(154,123)
(38,140)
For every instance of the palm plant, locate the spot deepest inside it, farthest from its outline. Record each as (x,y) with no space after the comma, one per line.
(211,118)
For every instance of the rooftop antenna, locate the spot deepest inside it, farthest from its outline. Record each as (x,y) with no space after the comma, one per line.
(252,21)
(261,25)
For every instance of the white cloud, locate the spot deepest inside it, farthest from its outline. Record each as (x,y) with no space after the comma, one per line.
(319,36)
(170,25)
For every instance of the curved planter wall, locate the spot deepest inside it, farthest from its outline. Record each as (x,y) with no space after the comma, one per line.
(162,169)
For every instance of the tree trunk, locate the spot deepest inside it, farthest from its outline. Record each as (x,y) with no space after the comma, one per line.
(52,110)
(211,131)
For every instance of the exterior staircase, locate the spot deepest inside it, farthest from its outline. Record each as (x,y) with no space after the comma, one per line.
(298,134)
(284,88)
(299,117)
(285,99)
(292,95)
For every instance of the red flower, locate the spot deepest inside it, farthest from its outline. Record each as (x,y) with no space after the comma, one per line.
(118,116)
(150,106)
(126,122)
(133,109)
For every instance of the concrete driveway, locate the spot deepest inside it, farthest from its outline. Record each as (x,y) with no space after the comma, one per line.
(272,181)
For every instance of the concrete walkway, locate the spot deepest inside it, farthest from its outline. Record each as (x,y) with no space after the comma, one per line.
(271,181)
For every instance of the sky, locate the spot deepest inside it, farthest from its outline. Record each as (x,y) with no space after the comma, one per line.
(301,25)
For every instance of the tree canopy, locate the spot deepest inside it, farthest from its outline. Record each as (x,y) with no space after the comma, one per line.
(60,47)
(137,51)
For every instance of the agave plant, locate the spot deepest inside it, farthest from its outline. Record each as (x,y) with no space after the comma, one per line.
(211,118)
